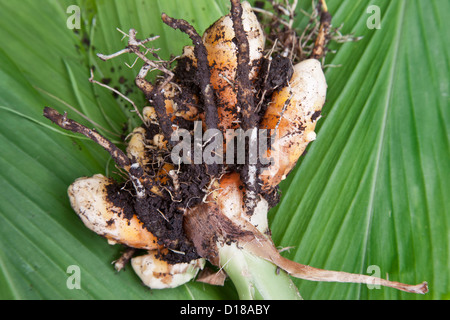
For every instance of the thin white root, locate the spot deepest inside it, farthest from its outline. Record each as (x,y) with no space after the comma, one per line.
(133,47)
(91,80)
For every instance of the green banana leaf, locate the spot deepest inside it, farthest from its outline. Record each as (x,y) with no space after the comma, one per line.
(371,195)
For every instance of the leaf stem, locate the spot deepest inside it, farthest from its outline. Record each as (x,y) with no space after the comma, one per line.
(254,277)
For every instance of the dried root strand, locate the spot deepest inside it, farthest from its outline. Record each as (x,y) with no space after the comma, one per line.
(92,80)
(264,248)
(62,121)
(245,93)
(204,74)
(324,30)
(134,46)
(159,103)
(135,172)
(123,260)
(245,97)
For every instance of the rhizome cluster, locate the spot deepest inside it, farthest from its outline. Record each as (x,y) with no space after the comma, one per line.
(162,212)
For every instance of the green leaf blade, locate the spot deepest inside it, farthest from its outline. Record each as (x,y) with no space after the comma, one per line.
(372,189)
(375,162)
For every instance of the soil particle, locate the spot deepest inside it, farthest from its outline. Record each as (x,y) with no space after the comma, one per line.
(316,115)
(106,81)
